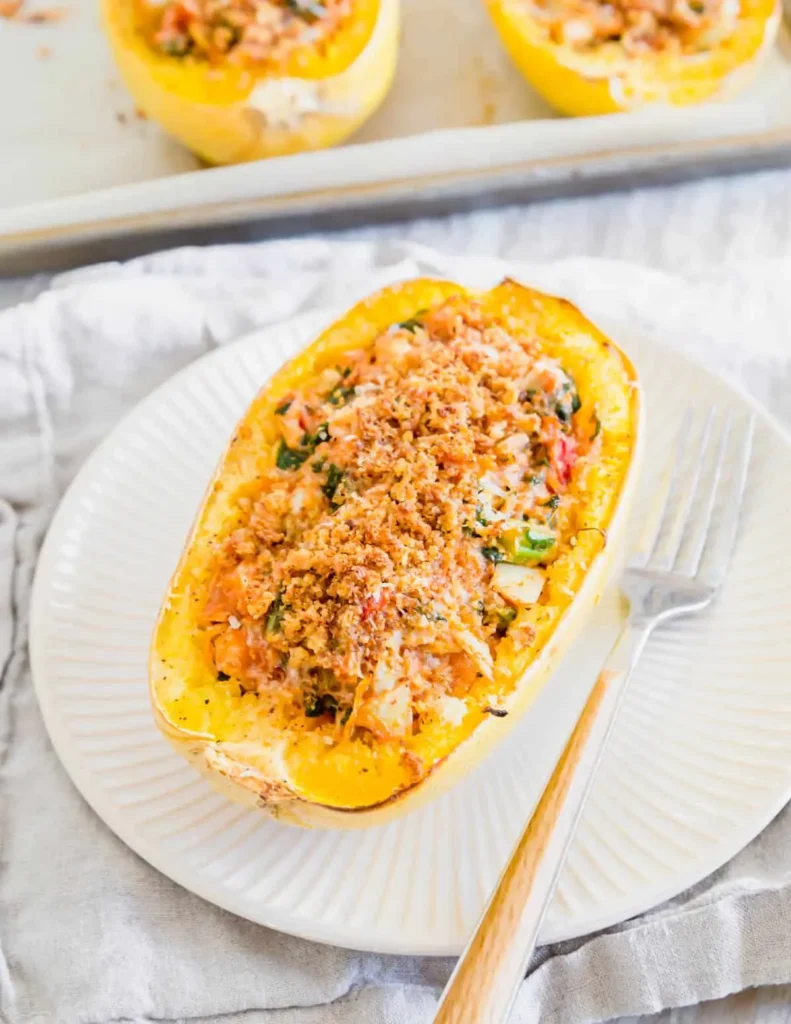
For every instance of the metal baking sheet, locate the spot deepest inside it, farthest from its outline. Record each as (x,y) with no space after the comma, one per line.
(83,178)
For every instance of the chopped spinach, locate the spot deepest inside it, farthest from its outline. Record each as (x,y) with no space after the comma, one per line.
(283,408)
(505,616)
(334,477)
(319,704)
(290,458)
(568,402)
(492,554)
(275,616)
(310,10)
(340,395)
(312,441)
(553,502)
(413,322)
(500,617)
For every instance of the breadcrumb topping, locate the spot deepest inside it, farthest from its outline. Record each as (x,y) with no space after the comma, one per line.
(360,576)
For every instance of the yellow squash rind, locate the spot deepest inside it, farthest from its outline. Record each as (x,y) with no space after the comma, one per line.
(295,776)
(606,81)
(231,115)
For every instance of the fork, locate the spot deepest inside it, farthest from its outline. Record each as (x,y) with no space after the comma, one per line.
(677,569)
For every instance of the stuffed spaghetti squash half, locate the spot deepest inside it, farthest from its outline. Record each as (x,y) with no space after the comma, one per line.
(398,544)
(588,57)
(240,80)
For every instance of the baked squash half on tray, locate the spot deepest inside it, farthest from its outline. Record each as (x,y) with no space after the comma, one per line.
(238,80)
(403,536)
(604,56)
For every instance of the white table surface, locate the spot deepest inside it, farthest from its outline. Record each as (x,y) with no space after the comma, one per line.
(716,222)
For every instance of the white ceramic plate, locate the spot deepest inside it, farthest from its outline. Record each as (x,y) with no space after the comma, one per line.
(699,762)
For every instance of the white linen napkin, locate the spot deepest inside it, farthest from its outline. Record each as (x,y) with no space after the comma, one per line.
(89,934)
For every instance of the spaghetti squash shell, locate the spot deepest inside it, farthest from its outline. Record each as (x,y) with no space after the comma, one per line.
(294,776)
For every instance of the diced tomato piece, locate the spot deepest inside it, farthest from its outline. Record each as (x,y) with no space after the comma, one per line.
(563,453)
(372,604)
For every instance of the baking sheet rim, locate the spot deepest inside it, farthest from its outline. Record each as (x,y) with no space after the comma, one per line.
(226,212)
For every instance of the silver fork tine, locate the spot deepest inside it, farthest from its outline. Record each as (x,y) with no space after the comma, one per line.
(666,554)
(722,538)
(653,530)
(697,541)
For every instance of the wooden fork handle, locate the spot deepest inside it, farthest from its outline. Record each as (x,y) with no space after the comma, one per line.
(484,985)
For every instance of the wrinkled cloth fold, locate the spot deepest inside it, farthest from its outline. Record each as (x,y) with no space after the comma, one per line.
(90,934)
